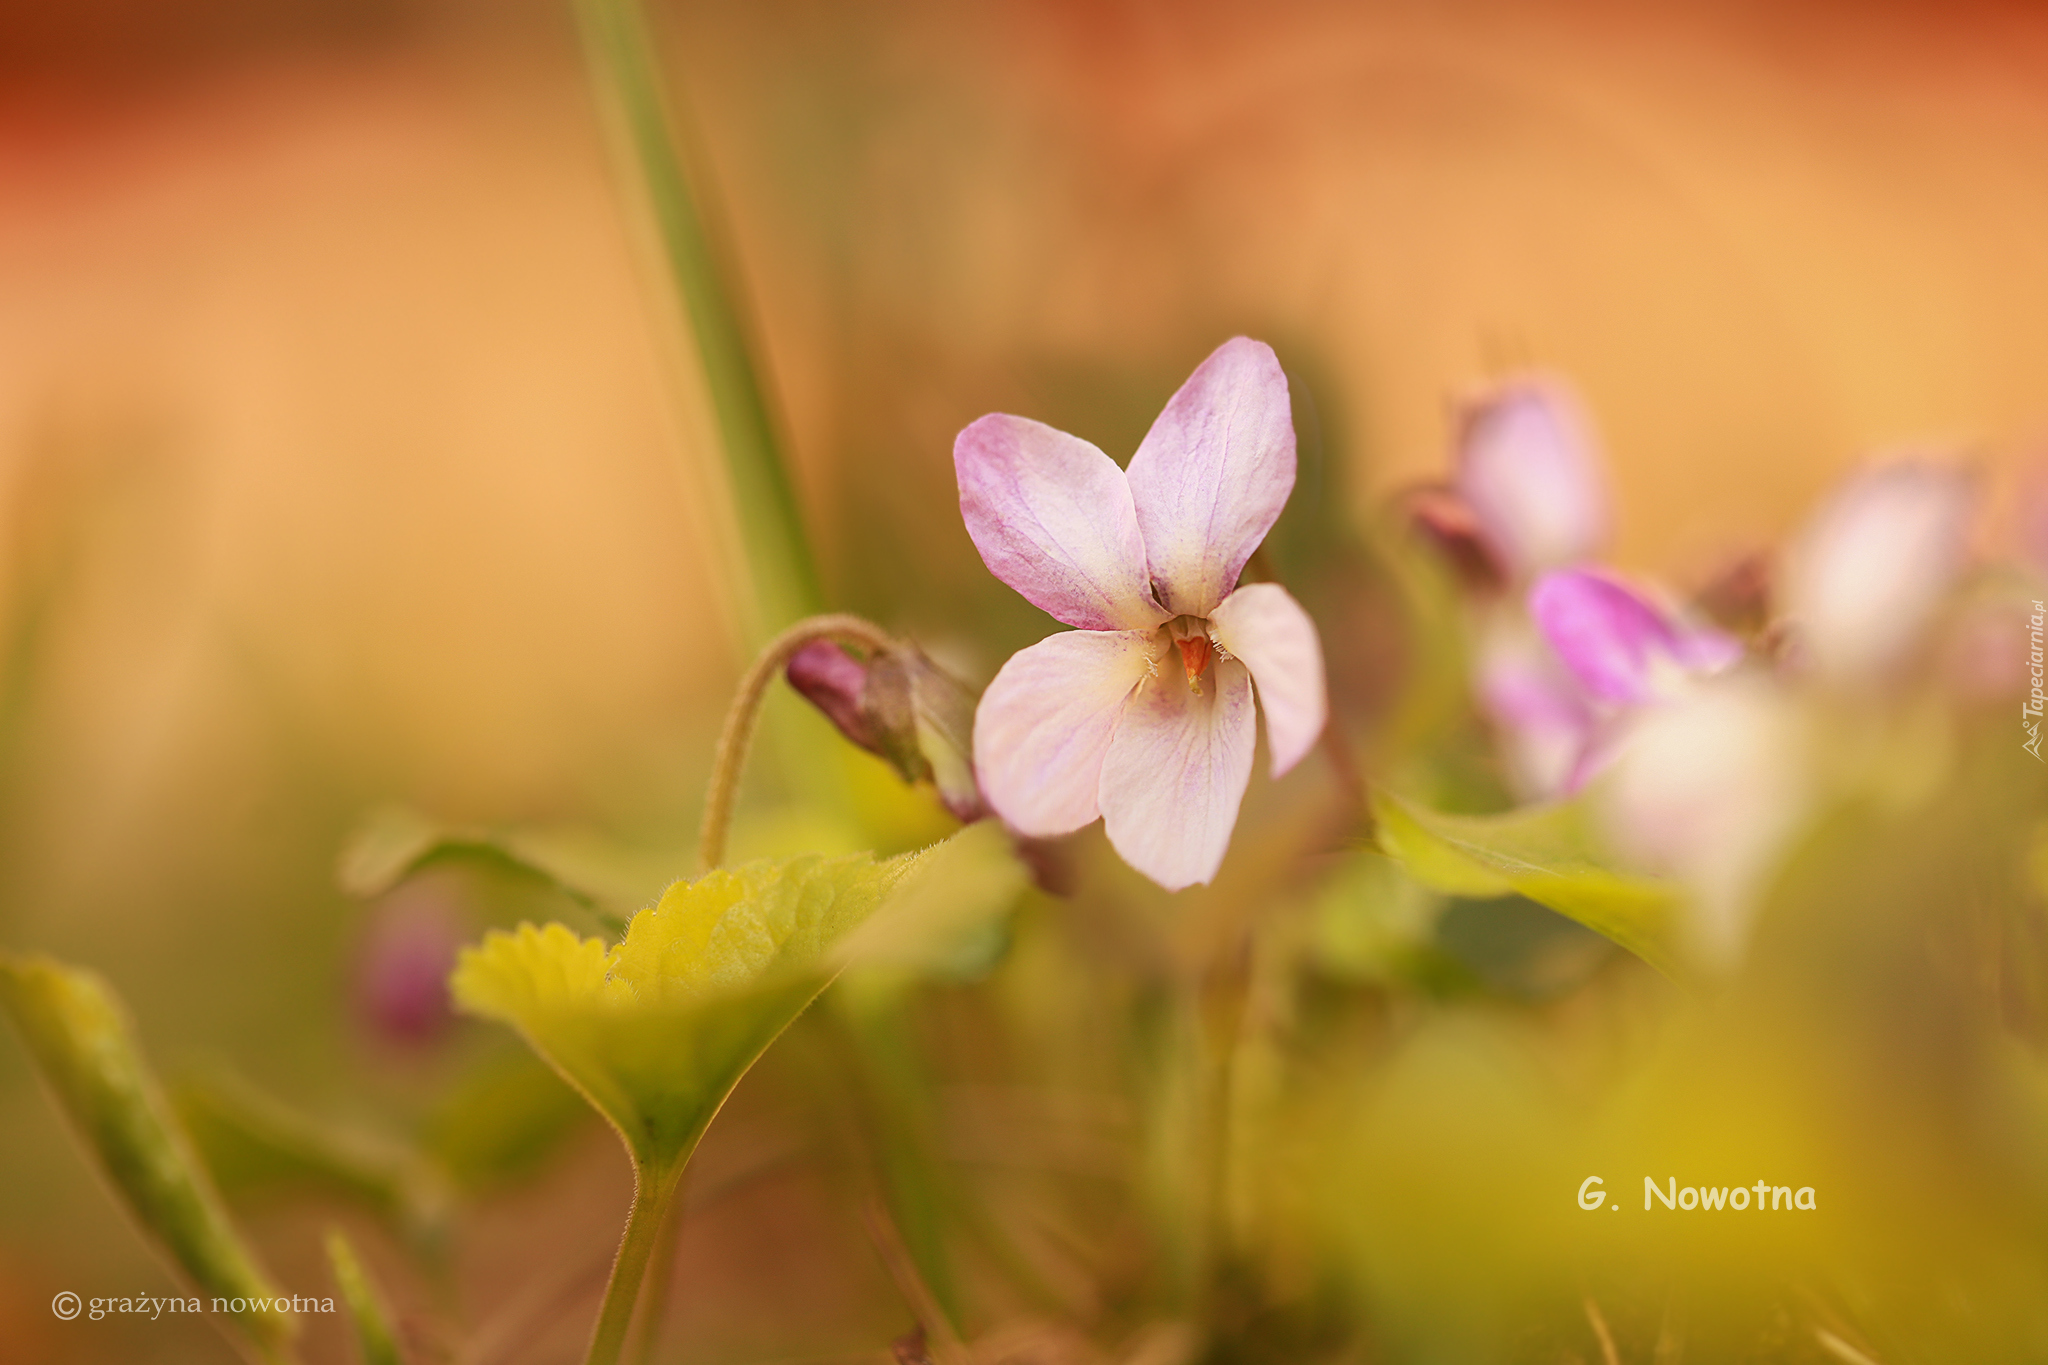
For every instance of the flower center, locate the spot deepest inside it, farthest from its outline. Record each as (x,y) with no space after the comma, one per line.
(1191,635)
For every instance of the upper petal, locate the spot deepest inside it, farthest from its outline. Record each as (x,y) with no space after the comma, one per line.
(1527,469)
(1267,629)
(1213,473)
(1177,770)
(1052,517)
(1045,722)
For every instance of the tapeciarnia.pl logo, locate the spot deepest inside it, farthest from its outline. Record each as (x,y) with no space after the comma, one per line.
(2030,709)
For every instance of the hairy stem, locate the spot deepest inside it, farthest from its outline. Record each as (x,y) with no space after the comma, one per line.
(745,713)
(653,1190)
(661,1273)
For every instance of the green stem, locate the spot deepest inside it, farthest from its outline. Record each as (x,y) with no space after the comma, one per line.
(660,1275)
(745,712)
(628,75)
(653,1190)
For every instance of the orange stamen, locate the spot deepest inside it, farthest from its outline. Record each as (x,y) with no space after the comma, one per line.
(1194,657)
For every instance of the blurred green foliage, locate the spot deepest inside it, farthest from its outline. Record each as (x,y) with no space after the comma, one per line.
(87,1054)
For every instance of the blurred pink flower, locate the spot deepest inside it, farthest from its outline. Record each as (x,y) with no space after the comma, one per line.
(1544,722)
(1866,575)
(1528,472)
(1606,651)
(408,948)
(1622,648)
(1145,563)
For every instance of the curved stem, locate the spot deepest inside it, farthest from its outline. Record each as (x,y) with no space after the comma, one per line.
(652,1193)
(745,712)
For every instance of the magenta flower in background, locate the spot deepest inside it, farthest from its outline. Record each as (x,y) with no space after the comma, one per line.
(1527,483)
(1143,715)
(408,948)
(1572,650)
(1622,648)
(1603,651)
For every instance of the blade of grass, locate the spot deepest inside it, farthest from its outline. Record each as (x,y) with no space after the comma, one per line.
(629,79)
(376,1337)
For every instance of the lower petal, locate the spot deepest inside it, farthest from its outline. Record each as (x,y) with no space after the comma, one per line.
(1176,772)
(1045,723)
(1267,629)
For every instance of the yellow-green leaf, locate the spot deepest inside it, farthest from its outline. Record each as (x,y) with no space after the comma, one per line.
(82,1043)
(657,1029)
(947,918)
(1546,853)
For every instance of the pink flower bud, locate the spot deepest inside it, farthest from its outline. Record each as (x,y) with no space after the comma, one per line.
(900,706)
(1442,519)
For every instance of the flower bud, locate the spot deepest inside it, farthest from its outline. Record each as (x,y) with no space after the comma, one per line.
(900,706)
(408,948)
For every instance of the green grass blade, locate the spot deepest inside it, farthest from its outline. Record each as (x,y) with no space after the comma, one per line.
(86,1051)
(375,1335)
(629,78)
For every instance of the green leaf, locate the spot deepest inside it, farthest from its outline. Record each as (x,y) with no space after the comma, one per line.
(374,1332)
(254,1146)
(394,842)
(1547,853)
(656,1030)
(86,1051)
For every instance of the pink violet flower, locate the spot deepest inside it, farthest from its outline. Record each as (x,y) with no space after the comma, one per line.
(1611,652)
(1622,648)
(1143,714)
